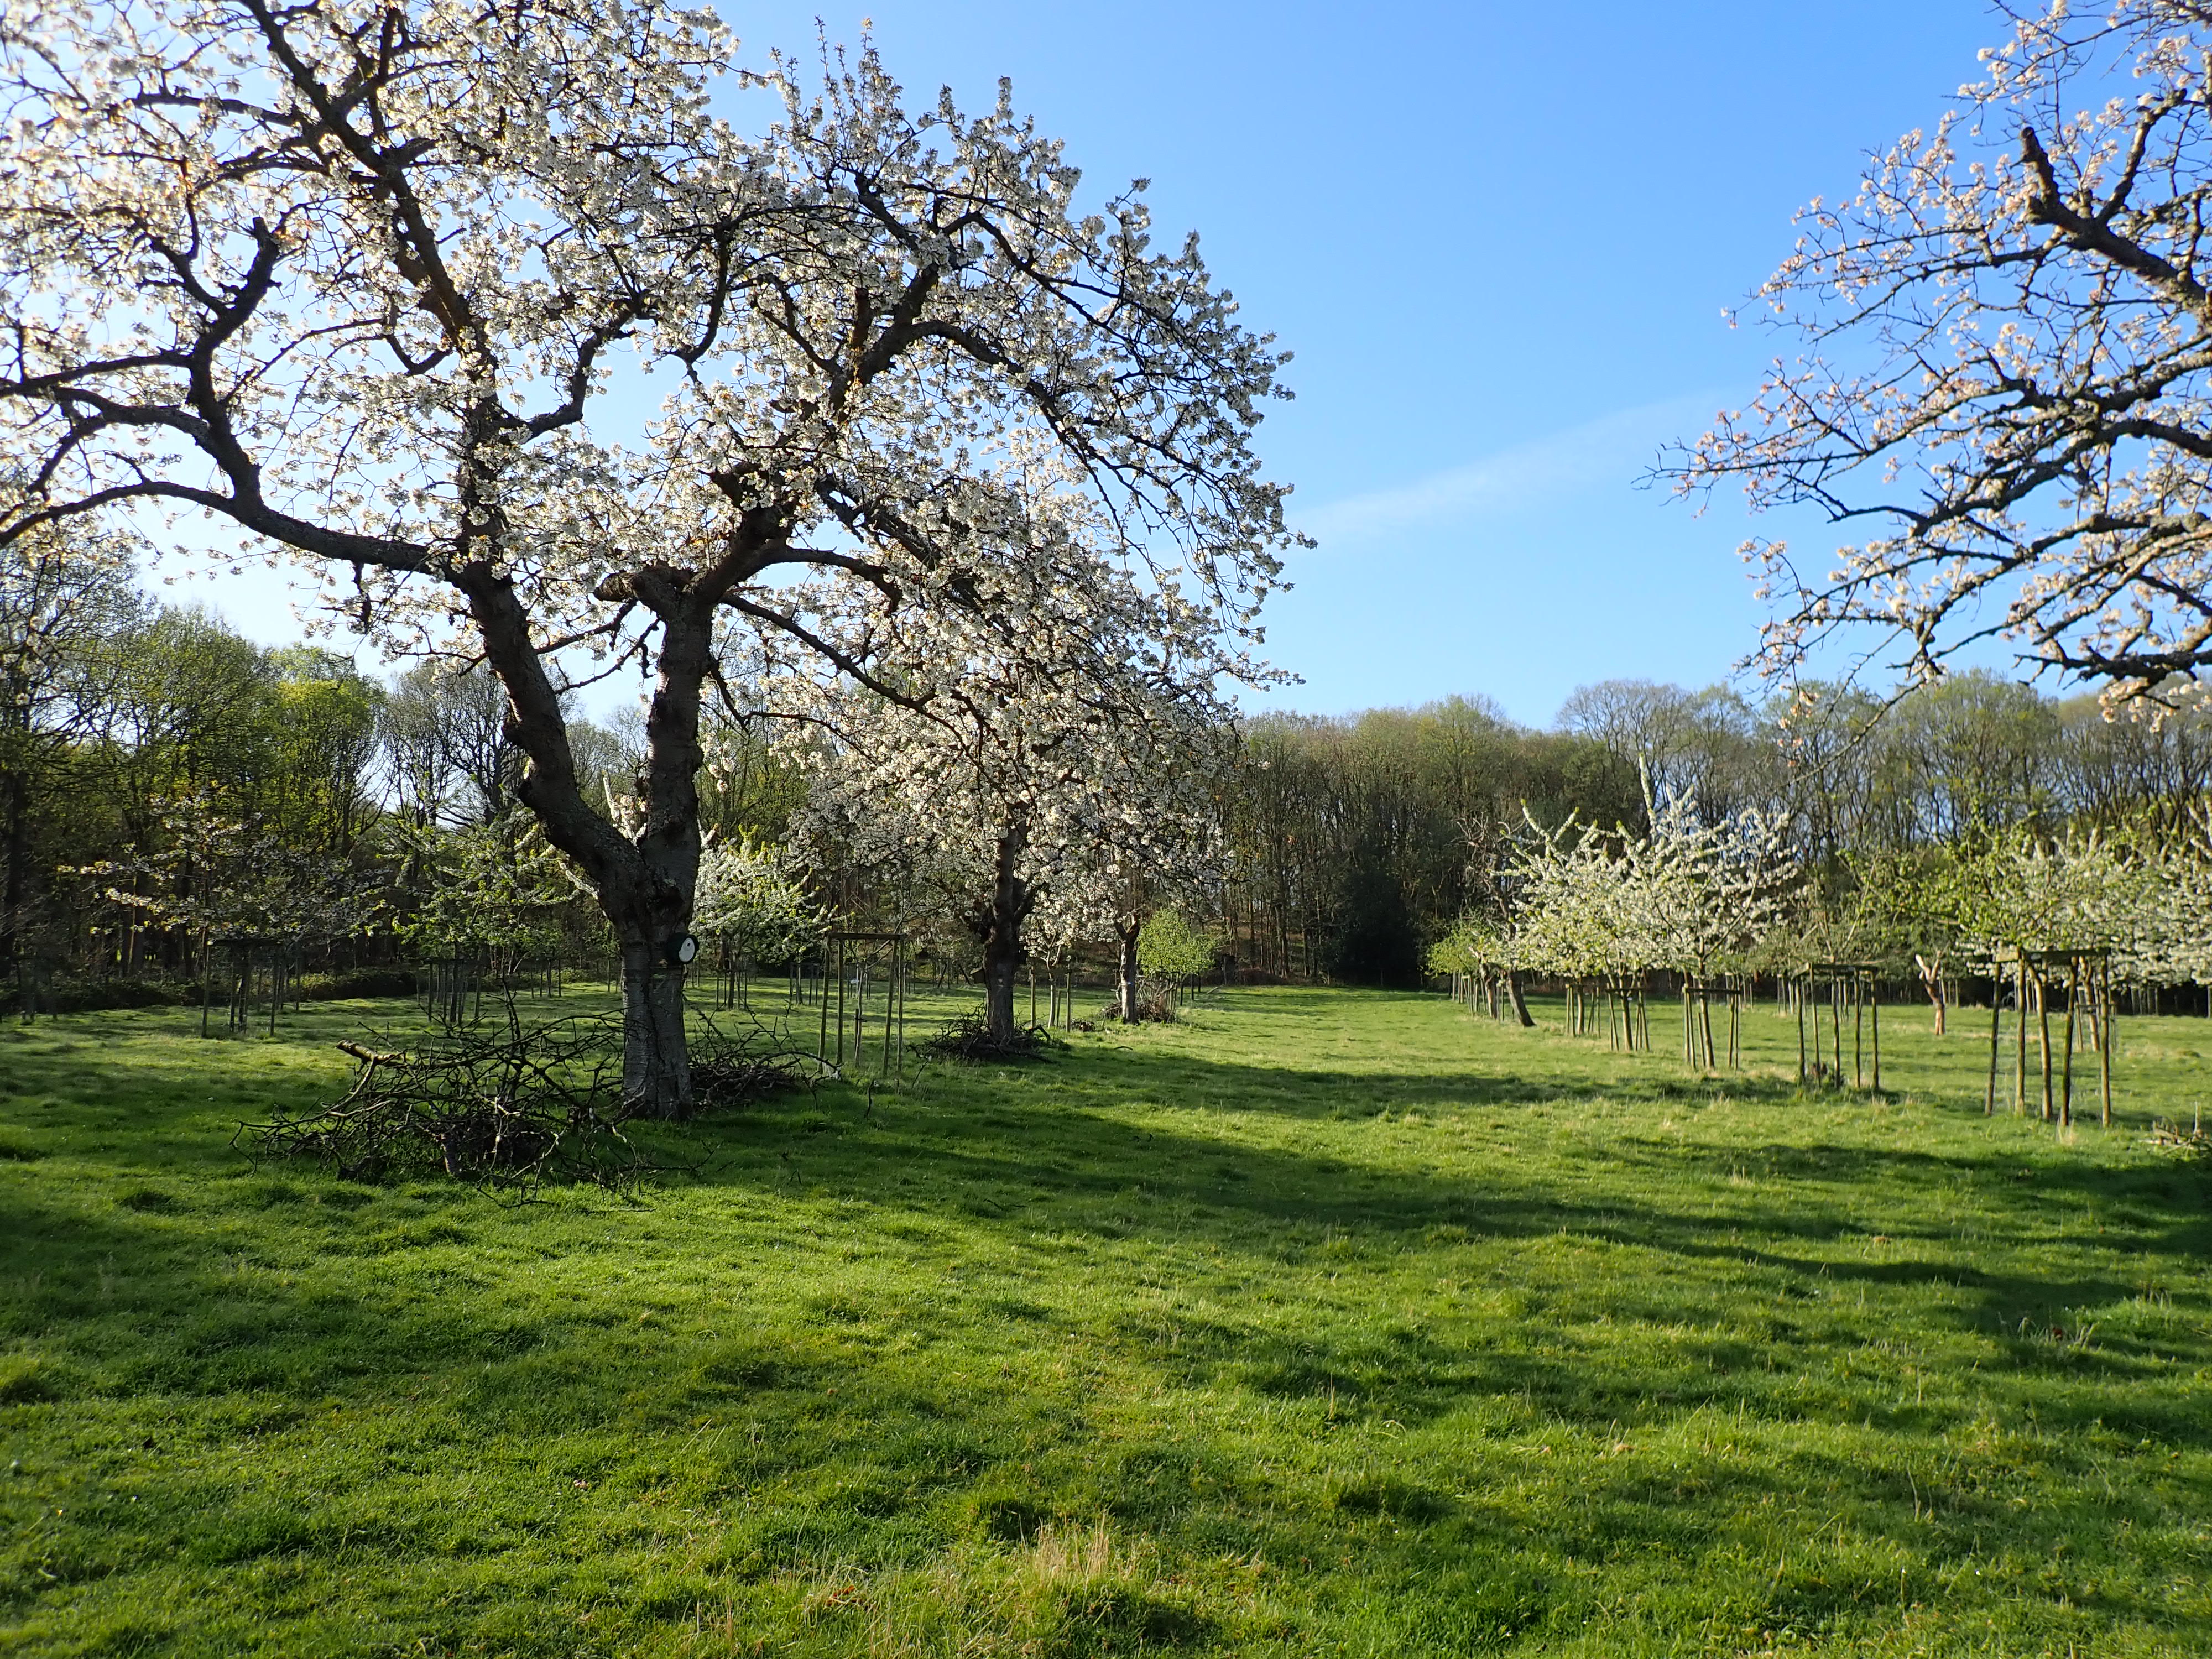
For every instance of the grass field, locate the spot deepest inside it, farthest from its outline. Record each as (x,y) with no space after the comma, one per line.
(1327,1323)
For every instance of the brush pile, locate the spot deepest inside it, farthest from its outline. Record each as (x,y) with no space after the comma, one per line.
(508,1108)
(968,1037)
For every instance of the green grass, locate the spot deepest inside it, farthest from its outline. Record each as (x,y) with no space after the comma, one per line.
(1325,1323)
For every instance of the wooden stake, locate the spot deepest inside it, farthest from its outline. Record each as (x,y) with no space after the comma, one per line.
(1996,1017)
(1858,1035)
(1874,1014)
(1800,1001)
(2073,996)
(2108,1031)
(2043,1042)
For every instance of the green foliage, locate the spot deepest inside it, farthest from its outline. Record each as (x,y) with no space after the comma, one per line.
(2143,896)
(1333,1323)
(1171,950)
(1352,836)
(212,875)
(1375,939)
(1475,945)
(496,887)
(749,899)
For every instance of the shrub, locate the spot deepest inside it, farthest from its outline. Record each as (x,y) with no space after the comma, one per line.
(360,982)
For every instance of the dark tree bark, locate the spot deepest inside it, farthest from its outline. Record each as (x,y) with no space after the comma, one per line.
(16,789)
(1126,935)
(997,924)
(644,884)
(1520,1003)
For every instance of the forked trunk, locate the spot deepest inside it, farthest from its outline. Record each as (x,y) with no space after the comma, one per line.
(997,927)
(645,876)
(1126,935)
(1931,975)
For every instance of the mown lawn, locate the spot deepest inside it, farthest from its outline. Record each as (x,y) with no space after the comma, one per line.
(1328,1322)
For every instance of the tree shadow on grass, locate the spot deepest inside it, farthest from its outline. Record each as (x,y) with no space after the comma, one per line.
(1076,1139)
(1066,1168)
(876,1429)
(863,1451)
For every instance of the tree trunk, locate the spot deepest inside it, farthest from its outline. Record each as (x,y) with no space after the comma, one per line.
(645,881)
(1520,1003)
(1126,936)
(656,1058)
(16,898)
(998,976)
(998,928)
(1931,975)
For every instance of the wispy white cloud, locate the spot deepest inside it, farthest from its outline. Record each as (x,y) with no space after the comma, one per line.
(1610,452)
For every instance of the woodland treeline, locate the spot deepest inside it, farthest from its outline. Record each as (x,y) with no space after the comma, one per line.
(166,781)
(1360,840)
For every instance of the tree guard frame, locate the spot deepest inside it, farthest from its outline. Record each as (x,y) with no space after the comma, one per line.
(1699,1050)
(838,956)
(1855,985)
(2089,974)
(246,957)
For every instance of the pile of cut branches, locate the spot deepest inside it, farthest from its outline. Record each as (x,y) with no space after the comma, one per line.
(730,1073)
(1155,1006)
(2193,1142)
(968,1037)
(507,1108)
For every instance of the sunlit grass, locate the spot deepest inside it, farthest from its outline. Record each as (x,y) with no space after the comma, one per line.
(1326,1322)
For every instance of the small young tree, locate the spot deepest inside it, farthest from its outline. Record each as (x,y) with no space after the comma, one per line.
(1000,819)
(1685,894)
(1165,849)
(1173,952)
(1033,794)
(1709,891)
(1905,908)
(495,888)
(213,875)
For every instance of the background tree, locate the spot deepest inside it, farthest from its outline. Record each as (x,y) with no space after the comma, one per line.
(491,890)
(444,732)
(1175,953)
(61,606)
(1046,802)
(1363,827)
(751,902)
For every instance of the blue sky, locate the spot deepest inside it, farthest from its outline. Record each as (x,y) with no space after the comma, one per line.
(1500,240)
